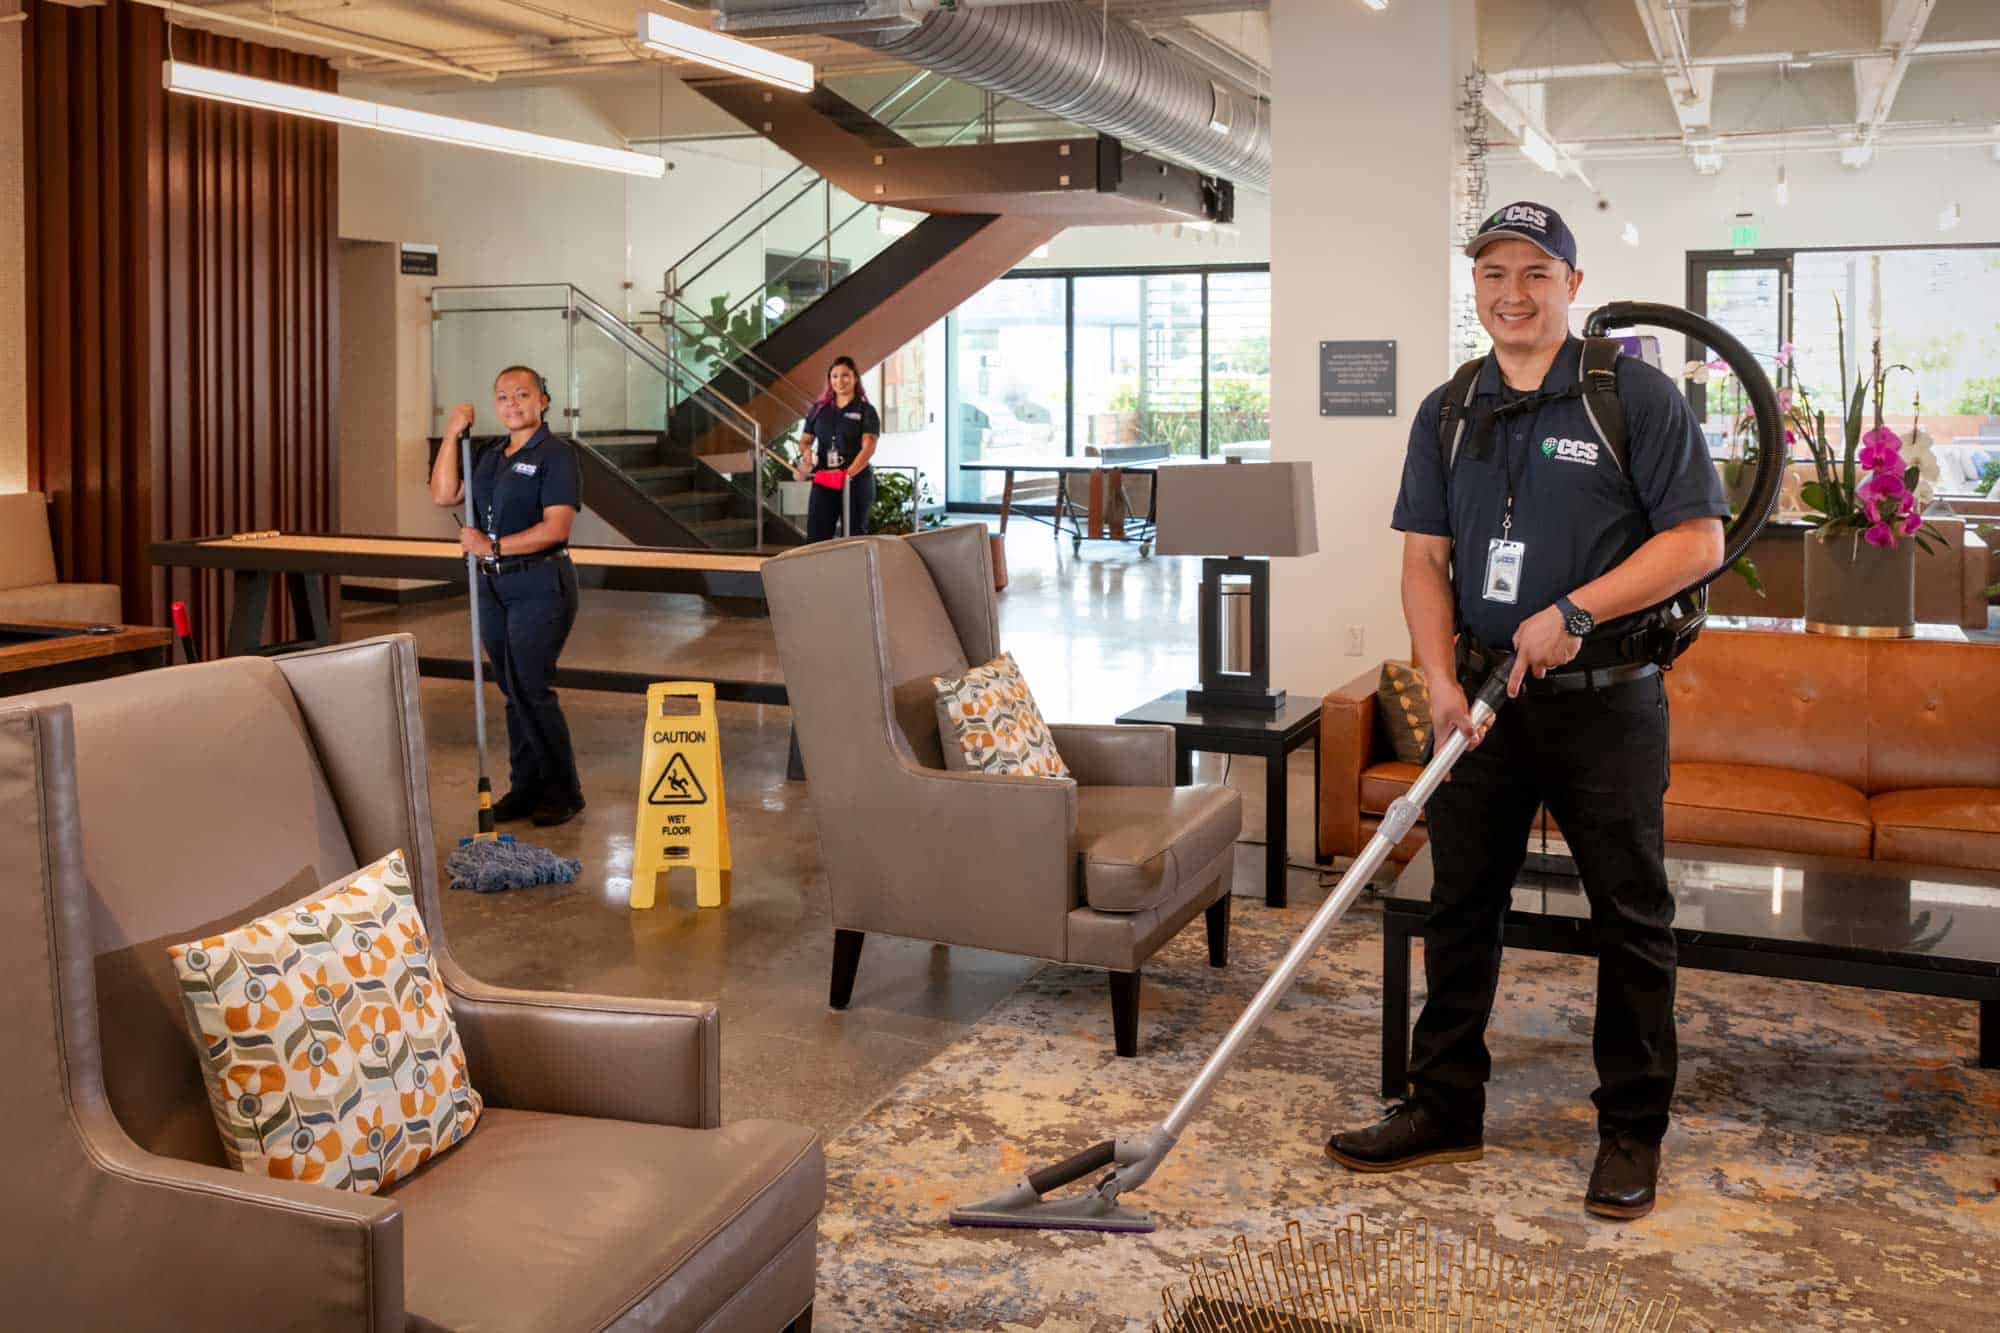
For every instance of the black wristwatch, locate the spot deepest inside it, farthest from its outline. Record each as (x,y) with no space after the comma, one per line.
(1576,620)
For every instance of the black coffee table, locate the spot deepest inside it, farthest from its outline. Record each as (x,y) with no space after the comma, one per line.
(1917,929)
(1270,736)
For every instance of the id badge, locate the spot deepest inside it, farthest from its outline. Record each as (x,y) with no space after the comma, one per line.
(1503,571)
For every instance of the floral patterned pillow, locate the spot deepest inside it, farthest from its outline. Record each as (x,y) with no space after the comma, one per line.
(326,1038)
(988,723)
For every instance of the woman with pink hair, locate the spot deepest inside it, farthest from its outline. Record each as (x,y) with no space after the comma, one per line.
(838,440)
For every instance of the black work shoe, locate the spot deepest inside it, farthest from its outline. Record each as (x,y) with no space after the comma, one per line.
(514,805)
(1622,1182)
(559,811)
(1411,1135)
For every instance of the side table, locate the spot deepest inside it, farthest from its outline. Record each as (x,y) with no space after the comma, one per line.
(1269,736)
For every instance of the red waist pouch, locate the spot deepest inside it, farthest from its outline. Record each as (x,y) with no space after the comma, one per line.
(833,478)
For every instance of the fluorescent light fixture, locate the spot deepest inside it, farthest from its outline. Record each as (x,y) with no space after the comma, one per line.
(1858,155)
(1706,155)
(1631,234)
(687,42)
(1950,218)
(1539,150)
(1377,5)
(891,225)
(221,86)
(1782,192)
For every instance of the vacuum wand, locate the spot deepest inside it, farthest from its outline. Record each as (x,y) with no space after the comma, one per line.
(1133,1161)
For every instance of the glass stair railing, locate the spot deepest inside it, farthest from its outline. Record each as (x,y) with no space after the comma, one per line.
(683,449)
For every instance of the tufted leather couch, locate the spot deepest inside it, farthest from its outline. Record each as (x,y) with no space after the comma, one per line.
(1886,749)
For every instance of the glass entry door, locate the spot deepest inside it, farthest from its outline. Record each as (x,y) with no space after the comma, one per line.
(1751,298)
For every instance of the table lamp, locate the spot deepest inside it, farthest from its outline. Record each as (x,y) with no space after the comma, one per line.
(1229,513)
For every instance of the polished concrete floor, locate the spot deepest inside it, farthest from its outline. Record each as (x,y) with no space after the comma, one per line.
(1095,634)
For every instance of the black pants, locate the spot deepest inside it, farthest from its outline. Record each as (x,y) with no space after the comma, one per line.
(1598,760)
(524,618)
(823,510)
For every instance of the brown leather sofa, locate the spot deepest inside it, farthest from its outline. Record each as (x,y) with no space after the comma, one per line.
(1869,748)
(1101,870)
(600,1189)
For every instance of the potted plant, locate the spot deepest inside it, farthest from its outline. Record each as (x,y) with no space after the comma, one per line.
(1866,499)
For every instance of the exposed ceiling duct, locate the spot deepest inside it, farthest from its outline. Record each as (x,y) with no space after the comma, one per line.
(1061,58)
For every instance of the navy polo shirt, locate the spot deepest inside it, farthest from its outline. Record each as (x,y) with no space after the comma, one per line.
(837,431)
(509,493)
(1577,513)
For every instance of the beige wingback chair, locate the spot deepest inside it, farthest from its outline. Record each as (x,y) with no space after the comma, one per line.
(600,1189)
(1101,870)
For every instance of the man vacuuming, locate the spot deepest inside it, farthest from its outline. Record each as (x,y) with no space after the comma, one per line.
(1552,495)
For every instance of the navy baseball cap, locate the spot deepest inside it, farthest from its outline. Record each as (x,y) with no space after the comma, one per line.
(1537,224)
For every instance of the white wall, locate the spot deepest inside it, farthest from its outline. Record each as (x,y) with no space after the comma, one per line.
(1895,200)
(13,272)
(1361,251)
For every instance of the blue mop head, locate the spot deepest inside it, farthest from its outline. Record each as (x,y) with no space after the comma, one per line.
(488,865)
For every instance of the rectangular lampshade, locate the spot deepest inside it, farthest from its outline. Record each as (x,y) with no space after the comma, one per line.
(685,41)
(1236,509)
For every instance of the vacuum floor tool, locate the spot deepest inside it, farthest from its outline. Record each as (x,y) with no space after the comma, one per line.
(1133,1161)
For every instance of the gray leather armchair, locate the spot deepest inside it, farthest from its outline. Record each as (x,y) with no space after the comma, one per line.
(1100,871)
(600,1189)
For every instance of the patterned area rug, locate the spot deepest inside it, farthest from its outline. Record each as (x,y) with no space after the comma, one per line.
(1834,1160)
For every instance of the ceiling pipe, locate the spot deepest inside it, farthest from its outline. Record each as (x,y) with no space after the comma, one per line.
(196,14)
(1065,59)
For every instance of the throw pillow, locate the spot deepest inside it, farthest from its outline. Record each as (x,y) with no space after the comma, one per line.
(326,1038)
(1403,704)
(988,723)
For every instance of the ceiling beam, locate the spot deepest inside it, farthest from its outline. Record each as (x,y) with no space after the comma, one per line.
(1524,108)
(1691,86)
(1877,79)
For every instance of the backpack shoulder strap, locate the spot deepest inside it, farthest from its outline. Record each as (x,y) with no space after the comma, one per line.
(1452,413)
(1597,378)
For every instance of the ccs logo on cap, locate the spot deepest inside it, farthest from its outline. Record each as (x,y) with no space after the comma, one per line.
(1534,217)
(1573,451)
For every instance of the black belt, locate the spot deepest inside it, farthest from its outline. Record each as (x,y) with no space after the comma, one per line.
(1480,662)
(514,563)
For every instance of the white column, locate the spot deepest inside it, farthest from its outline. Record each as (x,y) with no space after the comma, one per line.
(1363,117)
(13,266)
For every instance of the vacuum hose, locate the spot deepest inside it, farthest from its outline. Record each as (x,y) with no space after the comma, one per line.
(1771,455)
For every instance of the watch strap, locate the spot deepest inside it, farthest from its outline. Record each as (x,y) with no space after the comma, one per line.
(1572,614)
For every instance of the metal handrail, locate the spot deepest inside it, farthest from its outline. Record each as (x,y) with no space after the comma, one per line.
(742,352)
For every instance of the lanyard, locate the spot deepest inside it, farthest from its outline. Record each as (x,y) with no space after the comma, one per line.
(1530,403)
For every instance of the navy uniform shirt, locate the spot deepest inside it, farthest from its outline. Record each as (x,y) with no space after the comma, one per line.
(509,493)
(1575,511)
(837,431)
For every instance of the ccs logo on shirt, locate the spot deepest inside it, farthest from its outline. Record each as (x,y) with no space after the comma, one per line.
(1573,451)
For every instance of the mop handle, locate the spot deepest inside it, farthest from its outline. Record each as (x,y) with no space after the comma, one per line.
(1402,814)
(472,587)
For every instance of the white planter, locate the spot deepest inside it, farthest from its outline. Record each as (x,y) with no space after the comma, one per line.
(794,497)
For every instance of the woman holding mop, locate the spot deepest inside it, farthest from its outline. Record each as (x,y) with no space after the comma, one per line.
(525,496)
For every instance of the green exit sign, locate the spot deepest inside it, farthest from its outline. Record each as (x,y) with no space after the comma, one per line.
(1743,236)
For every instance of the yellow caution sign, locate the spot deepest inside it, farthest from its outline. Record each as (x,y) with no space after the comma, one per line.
(682,821)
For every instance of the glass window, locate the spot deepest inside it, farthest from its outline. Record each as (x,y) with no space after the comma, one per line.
(1008,380)
(1239,362)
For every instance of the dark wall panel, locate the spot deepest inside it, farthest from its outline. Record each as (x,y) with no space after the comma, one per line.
(183,350)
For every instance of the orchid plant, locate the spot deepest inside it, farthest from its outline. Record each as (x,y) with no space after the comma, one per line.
(1886,504)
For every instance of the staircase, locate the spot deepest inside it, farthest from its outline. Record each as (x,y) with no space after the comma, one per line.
(674,428)
(972,211)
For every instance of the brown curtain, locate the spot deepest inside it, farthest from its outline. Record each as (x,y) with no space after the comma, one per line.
(183,350)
